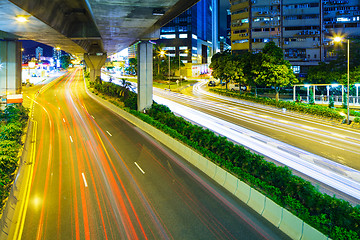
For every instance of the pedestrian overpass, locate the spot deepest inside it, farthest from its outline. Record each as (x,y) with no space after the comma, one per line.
(89,29)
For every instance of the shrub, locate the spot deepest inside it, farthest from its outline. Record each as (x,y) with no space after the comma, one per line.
(278,183)
(317,110)
(13,120)
(131,101)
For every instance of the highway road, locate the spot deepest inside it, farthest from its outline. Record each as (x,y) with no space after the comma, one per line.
(321,151)
(95,176)
(334,142)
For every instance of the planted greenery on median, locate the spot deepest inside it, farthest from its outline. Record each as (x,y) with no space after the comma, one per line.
(12,123)
(316,110)
(334,217)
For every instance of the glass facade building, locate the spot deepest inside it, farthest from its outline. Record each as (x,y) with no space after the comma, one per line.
(190,36)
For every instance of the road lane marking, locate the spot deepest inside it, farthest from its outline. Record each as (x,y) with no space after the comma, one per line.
(139,168)
(92,116)
(71,139)
(24,205)
(84,179)
(63,119)
(109,133)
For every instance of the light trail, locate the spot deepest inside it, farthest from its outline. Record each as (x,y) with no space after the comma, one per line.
(139,168)
(347,182)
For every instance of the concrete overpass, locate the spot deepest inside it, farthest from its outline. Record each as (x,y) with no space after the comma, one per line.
(88,28)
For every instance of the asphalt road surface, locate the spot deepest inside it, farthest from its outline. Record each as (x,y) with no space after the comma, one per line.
(96,176)
(334,142)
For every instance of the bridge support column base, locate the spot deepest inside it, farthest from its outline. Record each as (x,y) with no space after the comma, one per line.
(95,63)
(10,67)
(145,75)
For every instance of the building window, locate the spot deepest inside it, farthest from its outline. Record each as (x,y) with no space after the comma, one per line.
(183,48)
(169,48)
(167,36)
(194,36)
(183,35)
(240,41)
(296,69)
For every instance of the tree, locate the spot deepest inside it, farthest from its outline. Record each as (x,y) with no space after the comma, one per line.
(218,63)
(132,68)
(344,104)
(274,71)
(250,63)
(274,75)
(233,71)
(311,99)
(65,61)
(331,102)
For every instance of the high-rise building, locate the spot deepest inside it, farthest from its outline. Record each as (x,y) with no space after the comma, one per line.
(192,37)
(57,53)
(39,53)
(302,28)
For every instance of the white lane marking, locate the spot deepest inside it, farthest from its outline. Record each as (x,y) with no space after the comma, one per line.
(139,168)
(63,119)
(109,133)
(84,179)
(92,116)
(71,139)
(283,121)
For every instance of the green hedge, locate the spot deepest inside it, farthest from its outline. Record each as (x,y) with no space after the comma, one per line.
(317,110)
(334,217)
(13,121)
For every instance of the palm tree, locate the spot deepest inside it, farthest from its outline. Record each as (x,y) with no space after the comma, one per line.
(125,88)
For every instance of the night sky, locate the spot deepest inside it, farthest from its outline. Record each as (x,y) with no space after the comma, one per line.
(30,46)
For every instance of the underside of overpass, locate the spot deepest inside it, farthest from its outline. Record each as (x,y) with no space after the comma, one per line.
(81,27)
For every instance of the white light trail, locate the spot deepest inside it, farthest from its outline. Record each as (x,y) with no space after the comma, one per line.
(340,177)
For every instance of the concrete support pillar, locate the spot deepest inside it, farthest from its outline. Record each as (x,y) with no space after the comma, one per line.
(10,67)
(328,93)
(314,93)
(145,75)
(95,62)
(294,93)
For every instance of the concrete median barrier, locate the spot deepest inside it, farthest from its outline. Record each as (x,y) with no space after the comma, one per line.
(310,233)
(256,201)
(272,212)
(291,225)
(203,163)
(243,191)
(220,176)
(231,183)
(211,169)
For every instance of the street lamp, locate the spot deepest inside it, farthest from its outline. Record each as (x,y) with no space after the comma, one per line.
(339,39)
(186,51)
(162,54)
(169,72)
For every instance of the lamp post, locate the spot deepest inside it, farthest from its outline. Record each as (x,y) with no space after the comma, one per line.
(162,54)
(169,72)
(186,51)
(339,39)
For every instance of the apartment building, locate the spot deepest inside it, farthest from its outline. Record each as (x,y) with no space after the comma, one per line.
(302,28)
